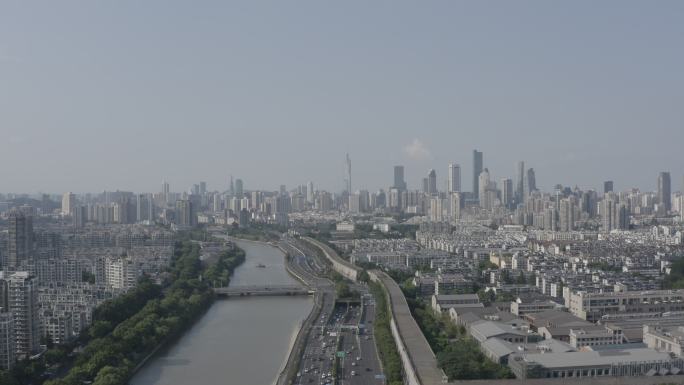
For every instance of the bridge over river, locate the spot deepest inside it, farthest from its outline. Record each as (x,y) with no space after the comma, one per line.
(270,290)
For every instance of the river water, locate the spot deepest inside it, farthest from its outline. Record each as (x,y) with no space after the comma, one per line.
(239,341)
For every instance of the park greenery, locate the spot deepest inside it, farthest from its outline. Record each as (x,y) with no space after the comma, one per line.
(128,329)
(457,353)
(342,288)
(256,232)
(387,349)
(675,280)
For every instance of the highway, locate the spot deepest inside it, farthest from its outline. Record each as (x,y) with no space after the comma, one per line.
(349,325)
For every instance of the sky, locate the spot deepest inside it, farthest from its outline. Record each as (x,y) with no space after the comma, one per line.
(106,95)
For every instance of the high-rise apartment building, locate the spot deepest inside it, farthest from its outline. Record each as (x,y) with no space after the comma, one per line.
(185,213)
(614,214)
(664,191)
(567,214)
(20,239)
(455,205)
(8,348)
(23,304)
(436,213)
(483,184)
(477,170)
(68,202)
(454,178)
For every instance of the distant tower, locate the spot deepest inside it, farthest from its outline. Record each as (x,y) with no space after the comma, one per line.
(520,183)
(483,184)
(567,214)
(454,178)
(530,182)
(477,170)
(455,205)
(432,182)
(68,201)
(507,192)
(165,191)
(310,193)
(664,190)
(349,174)
(238,188)
(399,182)
(231,188)
(607,186)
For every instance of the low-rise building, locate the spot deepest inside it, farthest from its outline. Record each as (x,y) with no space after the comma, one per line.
(665,339)
(521,306)
(625,362)
(442,303)
(580,338)
(591,306)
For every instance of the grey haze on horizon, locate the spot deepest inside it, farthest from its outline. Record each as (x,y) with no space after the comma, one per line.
(119,95)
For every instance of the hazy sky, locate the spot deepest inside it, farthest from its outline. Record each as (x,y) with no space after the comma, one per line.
(99,95)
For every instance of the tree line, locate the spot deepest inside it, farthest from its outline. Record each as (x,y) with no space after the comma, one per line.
(128,328)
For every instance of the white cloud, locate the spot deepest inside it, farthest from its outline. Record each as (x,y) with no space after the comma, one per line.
(417,150)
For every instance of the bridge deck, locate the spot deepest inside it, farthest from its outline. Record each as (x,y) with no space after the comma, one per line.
(261,290)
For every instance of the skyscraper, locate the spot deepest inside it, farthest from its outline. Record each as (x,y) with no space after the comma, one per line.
(238,188)
(399,182)
(607,186)
(165,191)
(477,170)
(349,174)
(507,192)
(432,182)
(530,183)
(520,183)
(20,240)
(454,178)
(310,193)
(664,190)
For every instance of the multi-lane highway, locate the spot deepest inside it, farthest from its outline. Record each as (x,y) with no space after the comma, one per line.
(340,348)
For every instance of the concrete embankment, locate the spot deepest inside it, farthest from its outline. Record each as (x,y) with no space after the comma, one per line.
(289,370)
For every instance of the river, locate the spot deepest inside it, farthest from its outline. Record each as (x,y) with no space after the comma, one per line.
(239,341)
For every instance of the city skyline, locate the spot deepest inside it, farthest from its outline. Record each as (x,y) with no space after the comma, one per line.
(233,94)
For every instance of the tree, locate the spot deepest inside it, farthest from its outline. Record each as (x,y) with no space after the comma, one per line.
(521,279)
(110,375)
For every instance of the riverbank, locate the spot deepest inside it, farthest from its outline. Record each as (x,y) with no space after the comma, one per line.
(249,337)
(118,345)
